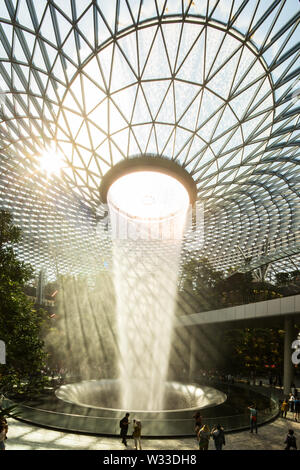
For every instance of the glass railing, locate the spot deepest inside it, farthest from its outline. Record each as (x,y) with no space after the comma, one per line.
(169,425)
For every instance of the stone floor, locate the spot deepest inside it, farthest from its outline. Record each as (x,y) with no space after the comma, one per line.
(23,436)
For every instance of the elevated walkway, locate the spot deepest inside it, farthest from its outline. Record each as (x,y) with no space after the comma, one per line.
(282,307)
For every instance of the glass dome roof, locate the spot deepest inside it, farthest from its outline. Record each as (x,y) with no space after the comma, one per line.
(213,85)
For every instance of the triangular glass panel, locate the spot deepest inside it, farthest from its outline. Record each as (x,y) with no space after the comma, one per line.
(120,139)
(234,139)
(92,95)
(65,7)
(250,151)
(81,7)
(124,18)
(155,93)
(104,151)
(214,40)
(259,36)
(97,136)
(117,122)
(128,45)
(142,135)
(39,8)
(145,38)
(157,65)
(105,58)
(222,11)
(167,110)
(109,12)
(151,146)
(73,120)
(192,69)
(141,112)
(208,132)
(250,125)
(171,34)
(38,58)
(122,74)
(181,140)
(124,100)
(8,30)
(227,121)
(23,15)
(83,137)
(92,71)
(3,53)
(116,154)
(134,148)
(72,103)
(190,34)
(185,93)
(64,26)
(134,7)
(193,149)
(70,48)
(58,70)
(86,28)
(245,18)
(240,103)
(210,104)
(4,12)
(163,134)
(47,29)
(100,116)
(148,10)
(103,30)
(51,53)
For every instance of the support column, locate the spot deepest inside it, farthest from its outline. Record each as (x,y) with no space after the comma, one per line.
(287,364)
(193,354)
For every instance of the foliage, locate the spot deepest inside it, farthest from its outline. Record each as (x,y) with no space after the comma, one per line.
(255,350)
(19,322)
(198,286)
(203,288)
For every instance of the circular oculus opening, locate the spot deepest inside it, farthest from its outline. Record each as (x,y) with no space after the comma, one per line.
(148,195)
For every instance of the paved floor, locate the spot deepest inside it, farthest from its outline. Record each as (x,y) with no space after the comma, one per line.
(27,437)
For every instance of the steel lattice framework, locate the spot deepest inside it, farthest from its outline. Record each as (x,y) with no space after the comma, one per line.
(213,85)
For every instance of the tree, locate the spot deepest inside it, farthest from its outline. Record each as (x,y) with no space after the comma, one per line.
(20,323)
(198,286)
(255,350)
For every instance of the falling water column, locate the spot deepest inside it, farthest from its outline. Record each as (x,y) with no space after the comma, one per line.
(146,254)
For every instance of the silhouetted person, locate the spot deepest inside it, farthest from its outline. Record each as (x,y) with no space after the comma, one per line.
(3,432)
(203,436)
(137,431)
(198,422)
(124,428)
(219,437)
(290,441)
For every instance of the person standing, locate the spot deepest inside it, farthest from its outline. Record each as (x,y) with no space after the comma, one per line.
(137,431)
(204,436)
(291,403)
(296,408)
(284,408)
(3,431)
(253,418)
(198,422)
(218,437)
(290,441)
(124,423)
